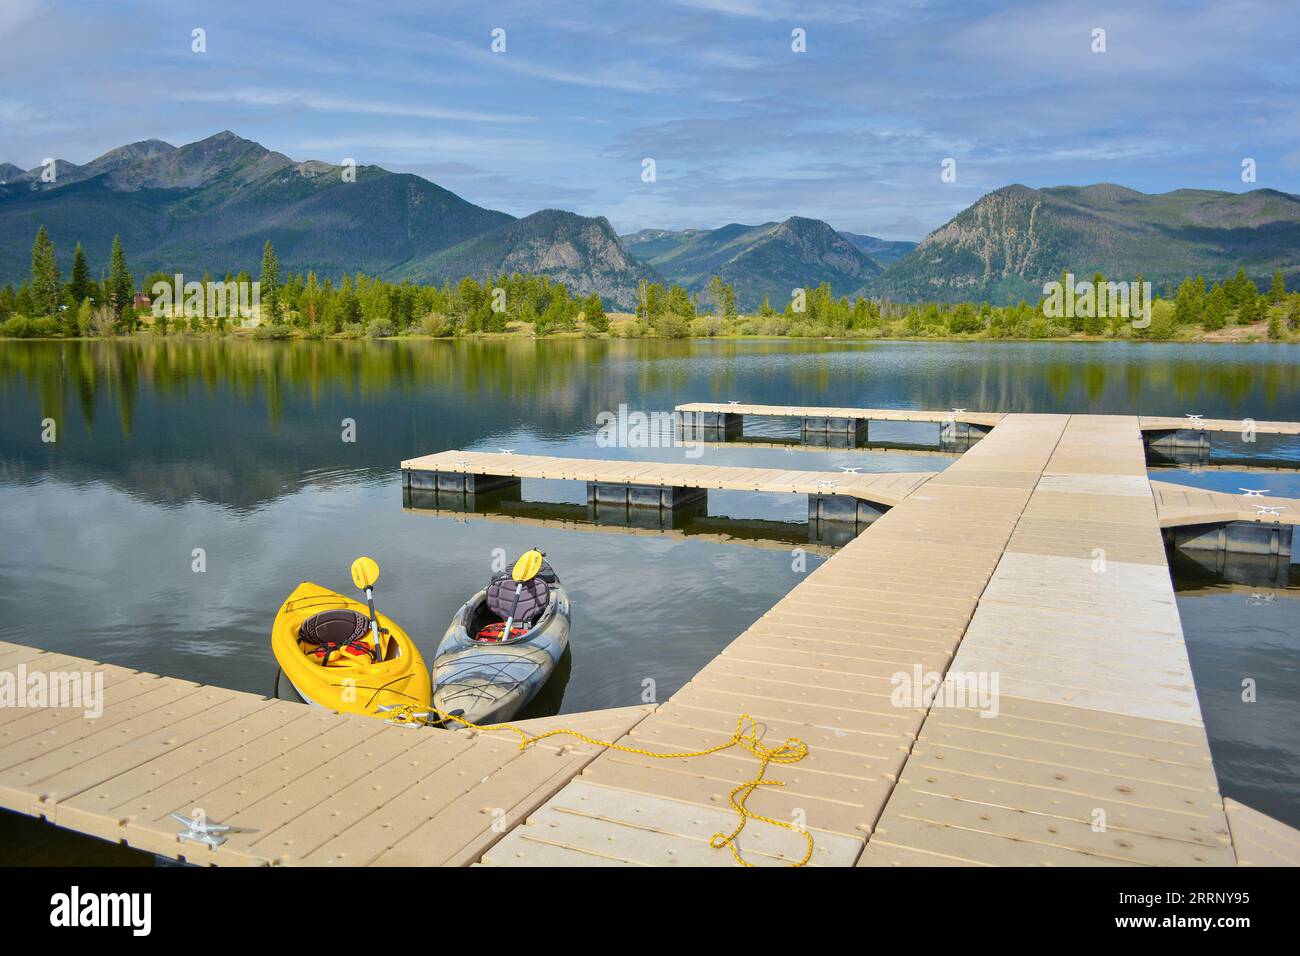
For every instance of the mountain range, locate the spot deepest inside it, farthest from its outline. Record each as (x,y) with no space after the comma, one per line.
(766,261)
(1005,245)
(212,204)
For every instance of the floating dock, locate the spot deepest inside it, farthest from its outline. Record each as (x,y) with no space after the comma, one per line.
(1038,558)
(725,420)
(300,785)
(832,495)
(994,672)
(819,424)
(1251,522)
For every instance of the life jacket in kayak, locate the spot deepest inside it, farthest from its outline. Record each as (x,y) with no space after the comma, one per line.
(337,638)
(494,633)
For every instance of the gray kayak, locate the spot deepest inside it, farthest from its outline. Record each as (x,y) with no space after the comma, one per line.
(491,681)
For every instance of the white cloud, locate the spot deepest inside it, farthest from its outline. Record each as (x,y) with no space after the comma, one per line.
(327,103)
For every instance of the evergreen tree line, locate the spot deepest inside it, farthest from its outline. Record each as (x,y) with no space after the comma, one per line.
(295,304)
(1236,300)
(47,306)
(304,304)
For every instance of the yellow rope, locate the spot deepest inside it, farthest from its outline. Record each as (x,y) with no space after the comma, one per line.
(403,714)
(745,737)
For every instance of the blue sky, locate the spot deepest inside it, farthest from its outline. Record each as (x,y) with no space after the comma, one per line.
(741,128)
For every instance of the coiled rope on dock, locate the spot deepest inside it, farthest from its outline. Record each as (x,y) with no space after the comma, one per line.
(746,738)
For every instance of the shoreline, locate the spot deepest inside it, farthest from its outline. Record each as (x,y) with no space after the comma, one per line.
(1251,338)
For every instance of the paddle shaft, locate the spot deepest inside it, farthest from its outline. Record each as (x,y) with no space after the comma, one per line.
(519,589)
(374,621)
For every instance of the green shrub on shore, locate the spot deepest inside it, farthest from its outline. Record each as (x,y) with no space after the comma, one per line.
(438,326)
(671,326)
(21,327)
(706,327)
(273,331)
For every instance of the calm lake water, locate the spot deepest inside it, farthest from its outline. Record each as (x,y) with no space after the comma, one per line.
(236,448)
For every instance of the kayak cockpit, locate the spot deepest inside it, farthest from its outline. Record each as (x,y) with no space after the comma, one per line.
(526,605)
(340,636)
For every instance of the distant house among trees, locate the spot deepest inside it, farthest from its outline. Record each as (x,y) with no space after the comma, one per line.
(141,301)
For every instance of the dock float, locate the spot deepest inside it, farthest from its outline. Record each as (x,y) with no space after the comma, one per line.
(727,419)
(1248,523)
(1192,433)
(832,495)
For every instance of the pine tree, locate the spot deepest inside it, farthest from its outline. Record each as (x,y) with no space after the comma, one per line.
(593,314)
(45,275)
(1189,304)
(121,287)
(1239,287)
(1275,331)
(1249,310)
(79,282)
(8,300)
(270,284)
(1277,290)
(1095,324)
(1216,309)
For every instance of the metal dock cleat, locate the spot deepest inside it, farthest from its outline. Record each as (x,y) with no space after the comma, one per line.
(199,830)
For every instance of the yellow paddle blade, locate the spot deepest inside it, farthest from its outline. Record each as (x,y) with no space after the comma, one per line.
(365,572)
(526,568)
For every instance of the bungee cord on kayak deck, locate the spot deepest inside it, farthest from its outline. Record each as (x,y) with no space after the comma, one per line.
(746,737)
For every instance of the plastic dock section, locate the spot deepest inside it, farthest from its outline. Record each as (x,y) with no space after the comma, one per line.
(298,785)
(994,672)
(460,476)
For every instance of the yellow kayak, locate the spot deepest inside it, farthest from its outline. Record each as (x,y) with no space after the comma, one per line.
(325,645)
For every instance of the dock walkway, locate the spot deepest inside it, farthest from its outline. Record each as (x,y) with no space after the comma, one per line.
(302,785)
(1097,754)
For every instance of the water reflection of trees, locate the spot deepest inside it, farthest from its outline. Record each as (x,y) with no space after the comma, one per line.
(583,376)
